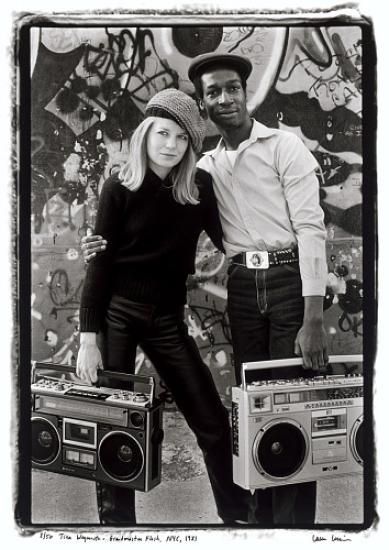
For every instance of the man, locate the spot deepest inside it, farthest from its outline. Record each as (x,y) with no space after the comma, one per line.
(273,233)
(274,237)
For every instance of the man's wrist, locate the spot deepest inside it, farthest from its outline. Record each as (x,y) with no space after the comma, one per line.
(313,310)
(88,338)
(315,323)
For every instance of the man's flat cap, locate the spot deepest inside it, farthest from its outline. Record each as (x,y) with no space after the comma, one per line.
(237,62)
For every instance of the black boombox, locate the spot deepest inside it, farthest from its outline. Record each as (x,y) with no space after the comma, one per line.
(298,430)
(111,432)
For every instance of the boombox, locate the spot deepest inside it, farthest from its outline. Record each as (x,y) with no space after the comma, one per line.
(296,430)
(110,433)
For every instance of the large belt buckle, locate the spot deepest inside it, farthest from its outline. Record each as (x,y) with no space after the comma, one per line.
(259,259)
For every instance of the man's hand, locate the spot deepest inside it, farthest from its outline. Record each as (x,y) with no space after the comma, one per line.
(311,340)
(89,358)
(91,245)
(311,343)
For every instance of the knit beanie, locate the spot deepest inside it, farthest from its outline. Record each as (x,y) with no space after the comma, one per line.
(181,108)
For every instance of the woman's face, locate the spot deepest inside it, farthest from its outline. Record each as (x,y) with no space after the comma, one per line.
(167,143)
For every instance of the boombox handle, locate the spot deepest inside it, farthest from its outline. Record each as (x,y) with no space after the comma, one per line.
(293,362)
(68,369)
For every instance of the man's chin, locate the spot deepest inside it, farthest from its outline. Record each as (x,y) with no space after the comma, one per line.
(227,121)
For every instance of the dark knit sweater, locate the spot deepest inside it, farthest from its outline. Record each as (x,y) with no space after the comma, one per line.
(151,248)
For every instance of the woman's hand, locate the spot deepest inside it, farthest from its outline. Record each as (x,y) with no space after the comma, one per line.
(91,245)
(89,358)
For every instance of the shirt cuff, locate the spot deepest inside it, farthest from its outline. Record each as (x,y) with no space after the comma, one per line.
(314,287)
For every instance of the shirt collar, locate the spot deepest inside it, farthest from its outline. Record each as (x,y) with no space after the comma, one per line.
(258,131)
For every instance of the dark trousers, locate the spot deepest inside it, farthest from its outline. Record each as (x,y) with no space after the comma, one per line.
(163,336)
(266,309)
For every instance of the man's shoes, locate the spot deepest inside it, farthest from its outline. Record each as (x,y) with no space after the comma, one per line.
(235,522)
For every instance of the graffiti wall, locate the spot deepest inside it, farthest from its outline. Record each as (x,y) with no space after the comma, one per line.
(89,90)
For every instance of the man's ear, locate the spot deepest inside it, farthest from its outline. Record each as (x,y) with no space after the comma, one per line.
(202,109)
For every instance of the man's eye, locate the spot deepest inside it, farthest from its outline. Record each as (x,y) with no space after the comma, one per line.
(234,89)
(211,94)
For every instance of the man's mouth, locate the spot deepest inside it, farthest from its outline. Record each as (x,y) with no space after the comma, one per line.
(226,114)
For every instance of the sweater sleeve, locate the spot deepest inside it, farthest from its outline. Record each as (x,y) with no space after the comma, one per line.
(96,289)
(210,213)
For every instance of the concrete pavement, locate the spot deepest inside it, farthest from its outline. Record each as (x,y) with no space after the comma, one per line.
(184,496)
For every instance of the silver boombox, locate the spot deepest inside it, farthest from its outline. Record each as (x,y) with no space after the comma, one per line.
(298,430)
(111,432)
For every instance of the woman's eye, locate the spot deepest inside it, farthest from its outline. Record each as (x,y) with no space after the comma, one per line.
(163,133)
(184,137)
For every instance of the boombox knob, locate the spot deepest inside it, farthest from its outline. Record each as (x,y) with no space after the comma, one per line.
(157,436)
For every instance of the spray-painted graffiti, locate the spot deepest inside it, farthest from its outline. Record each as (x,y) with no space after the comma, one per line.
(89,89)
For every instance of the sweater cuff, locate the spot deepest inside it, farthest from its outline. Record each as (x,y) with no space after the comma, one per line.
(89,319)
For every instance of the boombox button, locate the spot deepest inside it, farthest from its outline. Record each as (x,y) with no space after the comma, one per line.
(140,398)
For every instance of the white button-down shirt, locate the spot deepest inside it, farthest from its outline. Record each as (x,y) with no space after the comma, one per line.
(268,199)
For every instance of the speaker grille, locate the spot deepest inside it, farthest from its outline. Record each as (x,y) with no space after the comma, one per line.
(280,449)
(45,441)
(357,447)
(121,456)
(137,420)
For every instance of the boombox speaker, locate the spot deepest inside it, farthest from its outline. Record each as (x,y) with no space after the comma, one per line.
(109,433)
(298,430)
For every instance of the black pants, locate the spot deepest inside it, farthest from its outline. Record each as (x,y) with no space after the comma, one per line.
(163,336)
(266,309)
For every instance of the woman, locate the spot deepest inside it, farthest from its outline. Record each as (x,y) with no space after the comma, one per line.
(151,215)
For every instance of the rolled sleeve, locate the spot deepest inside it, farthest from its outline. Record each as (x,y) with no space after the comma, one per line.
(301,189)
(307,219)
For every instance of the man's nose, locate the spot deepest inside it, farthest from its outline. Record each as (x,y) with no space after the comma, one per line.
(224,97)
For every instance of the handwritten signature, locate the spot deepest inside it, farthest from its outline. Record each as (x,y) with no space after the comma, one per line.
(333,538)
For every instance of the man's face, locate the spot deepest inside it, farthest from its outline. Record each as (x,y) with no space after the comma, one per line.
(224,98)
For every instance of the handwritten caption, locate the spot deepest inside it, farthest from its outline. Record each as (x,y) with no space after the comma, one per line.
(117,537)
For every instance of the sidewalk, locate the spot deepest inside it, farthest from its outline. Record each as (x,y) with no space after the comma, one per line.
(184,496)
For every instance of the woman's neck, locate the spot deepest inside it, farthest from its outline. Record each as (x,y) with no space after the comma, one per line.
(161,171)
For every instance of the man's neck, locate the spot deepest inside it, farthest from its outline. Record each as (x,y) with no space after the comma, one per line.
(233,137)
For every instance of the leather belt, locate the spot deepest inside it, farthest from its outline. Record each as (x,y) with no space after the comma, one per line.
(261,259)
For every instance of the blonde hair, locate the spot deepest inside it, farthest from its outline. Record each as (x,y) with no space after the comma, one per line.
(182,176)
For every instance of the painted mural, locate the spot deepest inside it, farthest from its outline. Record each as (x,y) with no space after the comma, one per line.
(89,90)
